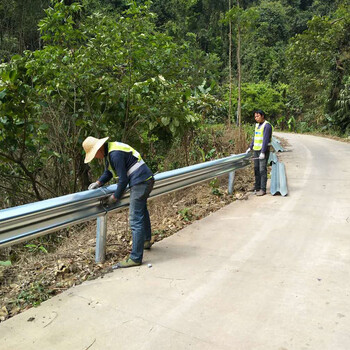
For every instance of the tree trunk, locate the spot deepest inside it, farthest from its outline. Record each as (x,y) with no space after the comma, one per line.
(230,70)
(239,71)
(83,174)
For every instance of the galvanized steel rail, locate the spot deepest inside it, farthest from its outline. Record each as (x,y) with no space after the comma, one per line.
(278,172)
(276,144)
(278,179)
(28,221)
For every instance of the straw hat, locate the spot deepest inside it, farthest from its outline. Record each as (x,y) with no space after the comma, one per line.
(91,145)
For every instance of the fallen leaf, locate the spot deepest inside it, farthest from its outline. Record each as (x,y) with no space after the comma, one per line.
(3,312)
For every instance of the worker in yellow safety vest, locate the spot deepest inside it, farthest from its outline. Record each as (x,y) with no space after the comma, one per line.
(125,162)
(260,147)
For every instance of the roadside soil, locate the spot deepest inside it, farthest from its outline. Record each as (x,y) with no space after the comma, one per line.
(47,266)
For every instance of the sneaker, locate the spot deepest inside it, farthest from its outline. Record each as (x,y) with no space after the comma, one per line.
(126,263)
(147,245)
(261,193)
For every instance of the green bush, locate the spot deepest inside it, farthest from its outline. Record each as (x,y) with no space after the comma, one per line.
(271,99)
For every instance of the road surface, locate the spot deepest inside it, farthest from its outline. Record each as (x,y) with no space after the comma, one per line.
(269,272)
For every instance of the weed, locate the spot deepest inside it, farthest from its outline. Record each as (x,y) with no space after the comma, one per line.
(34,295)
(35,248)
(159,233)
(186,214)
(211,154)
(215,187)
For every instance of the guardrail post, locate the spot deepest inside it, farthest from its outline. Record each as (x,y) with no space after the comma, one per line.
(231,180)
(101,233)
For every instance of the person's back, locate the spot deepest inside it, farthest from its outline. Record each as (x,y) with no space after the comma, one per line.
(124,162)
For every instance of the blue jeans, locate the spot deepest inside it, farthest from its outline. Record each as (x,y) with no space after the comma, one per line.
(260,170)
(140,223)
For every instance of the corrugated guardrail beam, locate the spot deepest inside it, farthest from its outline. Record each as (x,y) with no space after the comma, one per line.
(272,158)
(36,219)
(278,171)
(276,144)
(278,179)
(28,221)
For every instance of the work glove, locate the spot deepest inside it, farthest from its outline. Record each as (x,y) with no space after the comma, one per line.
(109,200)
(248,150)
(94,185)
(262,156)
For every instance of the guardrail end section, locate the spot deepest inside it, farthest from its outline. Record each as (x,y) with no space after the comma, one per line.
(272,158)
(278,179)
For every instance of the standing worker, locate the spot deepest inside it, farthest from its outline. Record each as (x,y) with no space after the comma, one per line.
(260,146)
(123,160)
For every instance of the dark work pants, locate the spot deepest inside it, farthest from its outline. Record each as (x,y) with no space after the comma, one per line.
(260,170)
(139,218)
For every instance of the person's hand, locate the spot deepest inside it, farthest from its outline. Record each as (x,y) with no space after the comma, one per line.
(94,185)
(110,200)
(262,156)
(248,150)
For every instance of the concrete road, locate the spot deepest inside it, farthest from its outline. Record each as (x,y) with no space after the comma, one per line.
(266,273)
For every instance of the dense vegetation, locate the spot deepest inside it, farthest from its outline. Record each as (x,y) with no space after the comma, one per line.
(155,75)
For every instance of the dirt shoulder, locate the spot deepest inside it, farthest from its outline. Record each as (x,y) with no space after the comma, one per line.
(47,266)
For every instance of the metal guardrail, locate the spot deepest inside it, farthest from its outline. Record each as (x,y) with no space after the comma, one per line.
(28,221)
(278,179)
(278,171)
(272,158)
(276,144)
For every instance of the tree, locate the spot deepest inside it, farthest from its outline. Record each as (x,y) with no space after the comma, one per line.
(22,136)
(319,66)
(103,74)
(18,26)
(243,22)
(266,40)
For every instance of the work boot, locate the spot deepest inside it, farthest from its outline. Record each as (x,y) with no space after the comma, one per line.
(147,245)
(126,263)
(260,193)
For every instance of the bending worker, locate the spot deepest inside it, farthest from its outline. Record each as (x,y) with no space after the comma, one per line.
(260,146)
(123,160)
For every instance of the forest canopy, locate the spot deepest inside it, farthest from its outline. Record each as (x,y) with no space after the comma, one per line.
(154,74)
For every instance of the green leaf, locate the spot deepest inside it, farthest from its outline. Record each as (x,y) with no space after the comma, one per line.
(56,154)
(43,249)
(172,128)
(80,122)
(16,57)
(13,75)
(165,120)
(5,263)
(43,104)
(30,246)
(44,127)
(2,94)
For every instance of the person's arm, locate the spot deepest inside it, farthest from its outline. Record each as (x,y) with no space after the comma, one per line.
(106,176)
(267,137)
(251,144)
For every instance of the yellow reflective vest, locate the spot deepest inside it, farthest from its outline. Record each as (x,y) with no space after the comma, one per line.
(119,146)
(259,135)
